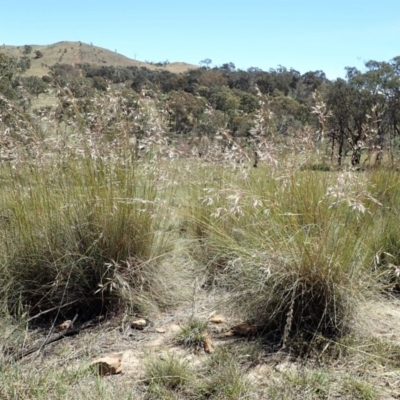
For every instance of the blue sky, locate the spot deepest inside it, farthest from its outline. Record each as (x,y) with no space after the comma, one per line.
(306,35)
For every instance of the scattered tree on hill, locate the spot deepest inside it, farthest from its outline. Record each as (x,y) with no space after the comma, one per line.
(24,63)
(363,109)
(27,49)
(224,99)
(212,79)
(228,67)
(9,67)
(35,85)
(184,111)
(205,63)
(100,83)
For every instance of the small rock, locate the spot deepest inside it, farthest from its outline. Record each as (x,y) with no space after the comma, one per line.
(108,365)
(207,344)
(65,325)
(217,319)
(139,324)
(160,330)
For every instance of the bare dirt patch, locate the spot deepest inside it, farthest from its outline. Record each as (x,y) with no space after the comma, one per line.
(359,372)
(381,319)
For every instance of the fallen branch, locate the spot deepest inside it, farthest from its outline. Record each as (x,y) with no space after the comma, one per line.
(49,310)
(70,331)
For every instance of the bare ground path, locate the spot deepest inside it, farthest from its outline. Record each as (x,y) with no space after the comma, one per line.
(362,373)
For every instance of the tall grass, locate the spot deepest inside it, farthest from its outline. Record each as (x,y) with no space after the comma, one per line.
(385,230)
(294,248)
(85,232)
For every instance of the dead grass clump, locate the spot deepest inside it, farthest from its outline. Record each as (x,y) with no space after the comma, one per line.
(360,389)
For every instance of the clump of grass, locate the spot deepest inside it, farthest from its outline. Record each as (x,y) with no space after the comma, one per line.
(300,384)
(167,375)
(34,381)
(360,389)
(193,333)
(83,233)
(297,249)
(224,377)
(385,231)
(379,352)
(305,288)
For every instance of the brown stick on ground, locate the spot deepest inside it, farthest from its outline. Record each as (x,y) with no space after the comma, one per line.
(70,331)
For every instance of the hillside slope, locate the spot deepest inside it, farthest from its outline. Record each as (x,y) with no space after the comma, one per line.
(77,52)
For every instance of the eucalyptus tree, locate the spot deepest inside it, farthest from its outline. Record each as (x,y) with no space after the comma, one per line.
(365,110)
(9,68)
(347,105)
(380,87)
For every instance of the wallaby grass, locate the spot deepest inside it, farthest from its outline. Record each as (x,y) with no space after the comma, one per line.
(385,185)
(350,368)
(295,248)
(87,232)
(225,374)
(62,383)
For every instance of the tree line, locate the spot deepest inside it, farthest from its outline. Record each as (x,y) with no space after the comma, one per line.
(353,116)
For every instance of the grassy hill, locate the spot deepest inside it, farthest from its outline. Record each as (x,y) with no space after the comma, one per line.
(77,52)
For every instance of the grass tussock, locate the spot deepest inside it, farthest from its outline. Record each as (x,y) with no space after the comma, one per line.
(296,248)
(167,376)
(219,377)
(224,377)
(193,333)
(85,233)
(361,389)
(385,231)
(58,382)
